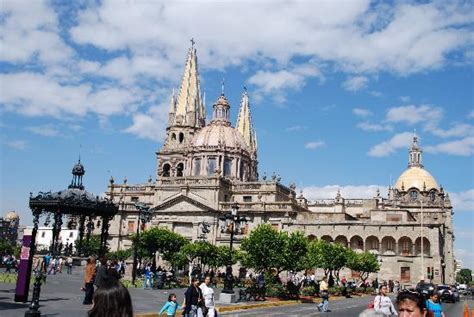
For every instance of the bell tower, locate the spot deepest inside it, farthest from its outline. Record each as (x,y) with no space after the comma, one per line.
(186,116)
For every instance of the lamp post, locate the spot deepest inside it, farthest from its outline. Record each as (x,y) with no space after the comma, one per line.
(421,244)
(144,215)
(231,222)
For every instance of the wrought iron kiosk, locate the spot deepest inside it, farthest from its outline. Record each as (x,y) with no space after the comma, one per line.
(82,209)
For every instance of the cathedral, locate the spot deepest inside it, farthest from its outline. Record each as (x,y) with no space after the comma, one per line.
(203,168)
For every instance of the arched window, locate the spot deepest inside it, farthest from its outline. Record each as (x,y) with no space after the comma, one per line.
(432,195)
(357,243)
(388,245)
(227,166)
(211,166)
(426,246)
(181,137)
(372,243)
(328,239)
(179,170)
(405,246)
(166,170)
(413,194)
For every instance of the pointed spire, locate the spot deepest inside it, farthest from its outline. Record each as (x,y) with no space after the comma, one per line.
(187,105)
(244,122)
(415,153)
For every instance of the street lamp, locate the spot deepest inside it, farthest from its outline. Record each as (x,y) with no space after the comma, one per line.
(231,223)
(144,215)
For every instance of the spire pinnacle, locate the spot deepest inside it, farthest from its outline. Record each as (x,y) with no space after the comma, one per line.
(186,107)
(244,122)
(222,86)
(415,153)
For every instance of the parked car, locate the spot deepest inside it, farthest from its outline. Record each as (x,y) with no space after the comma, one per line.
(446,294)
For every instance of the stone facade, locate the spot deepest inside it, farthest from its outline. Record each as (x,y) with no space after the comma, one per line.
(203,168)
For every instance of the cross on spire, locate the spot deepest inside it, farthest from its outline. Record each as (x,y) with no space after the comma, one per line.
(192,42)
(223,86)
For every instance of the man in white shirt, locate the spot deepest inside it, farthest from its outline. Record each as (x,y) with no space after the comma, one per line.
(208,294)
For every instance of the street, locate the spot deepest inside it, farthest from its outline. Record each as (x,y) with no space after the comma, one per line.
(61,296)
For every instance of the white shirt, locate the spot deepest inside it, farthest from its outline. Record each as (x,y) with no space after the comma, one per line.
(384,305)
(208,294)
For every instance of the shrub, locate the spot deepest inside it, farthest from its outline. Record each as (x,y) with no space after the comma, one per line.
(308,291)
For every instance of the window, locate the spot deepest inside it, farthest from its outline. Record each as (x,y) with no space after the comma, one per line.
(211,166)
(134,199)
(70,234)
(390,245)
(181,137)
(173,137)
(413,194)
(197,167)
(227,166)
(43,234)
(393,217)
(247,199)
(166,170)
(131,226)
(179,170)
(433,195)
(405,274)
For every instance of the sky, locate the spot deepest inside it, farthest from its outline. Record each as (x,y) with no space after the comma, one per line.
(337,89)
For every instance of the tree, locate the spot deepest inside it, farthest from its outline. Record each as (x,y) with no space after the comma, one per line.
(224,256)
(333,257)
(159,241)
(464,276)
(89,247)
(120,254)
(6,247)
(201,253)
(296,249)
(364,263)
(264,249)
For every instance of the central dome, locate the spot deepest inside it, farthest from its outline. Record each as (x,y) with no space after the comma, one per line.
(416,177)
(215,135)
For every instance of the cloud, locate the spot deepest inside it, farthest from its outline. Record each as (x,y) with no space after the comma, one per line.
(44,130)
(398,141)
(462,147)
(361,112)
(296,128)
(355,83)
(150,125)
(277,84)
(458,130)
(471,114)
(374,127)
(463,201)
(412,114)
(314,145)
(347,191)
(17,144)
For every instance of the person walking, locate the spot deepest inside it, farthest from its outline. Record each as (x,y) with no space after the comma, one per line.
(170,307)
(193,300)
(383,304)
(102,275)
(148,277)
(89,275)
(324,293)
(69,265)
(209,306)
(433,306)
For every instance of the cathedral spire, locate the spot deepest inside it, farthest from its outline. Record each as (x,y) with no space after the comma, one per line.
(415,154)
(244,122)
(187,108)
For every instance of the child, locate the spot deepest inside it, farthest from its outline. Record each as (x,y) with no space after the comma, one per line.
(171,306)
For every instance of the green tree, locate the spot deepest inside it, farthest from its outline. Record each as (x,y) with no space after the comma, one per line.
(89,247)
(295,252)
(6,247)
(264,249)
(464,276)
(364,263)
(333,257)
(159,241)
(313,258)
(224,256)
(120,254)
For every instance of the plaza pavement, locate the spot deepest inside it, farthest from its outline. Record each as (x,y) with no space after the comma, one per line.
(61,296)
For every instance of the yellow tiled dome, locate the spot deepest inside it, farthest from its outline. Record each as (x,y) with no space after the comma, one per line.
(416,177)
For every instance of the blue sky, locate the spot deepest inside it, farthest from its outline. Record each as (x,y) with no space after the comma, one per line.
(337,89)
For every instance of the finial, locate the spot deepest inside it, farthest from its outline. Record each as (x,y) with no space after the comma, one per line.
(192,42)
(223,86)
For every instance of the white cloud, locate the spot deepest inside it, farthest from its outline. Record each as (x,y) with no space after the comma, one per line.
(374,127)
(462,147)
(398,141)
(150,125)
(17,144)
(362,112)
(463,201)
(458,130)
(44,130)
(355,83)
(471,114)
(296,128)
(347,191)
(412,114)
(314,145)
